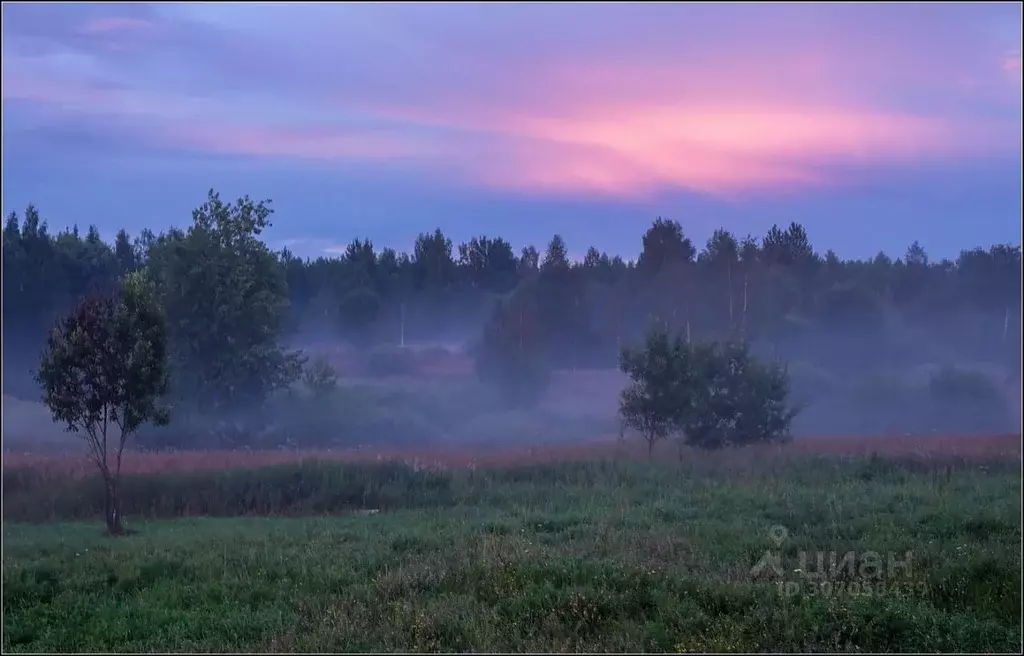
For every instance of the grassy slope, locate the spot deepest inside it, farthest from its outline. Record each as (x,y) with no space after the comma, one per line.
(545,557)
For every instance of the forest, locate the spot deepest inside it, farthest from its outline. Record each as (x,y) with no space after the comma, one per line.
(890,344)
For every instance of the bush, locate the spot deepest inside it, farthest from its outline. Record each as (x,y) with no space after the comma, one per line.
(320,377)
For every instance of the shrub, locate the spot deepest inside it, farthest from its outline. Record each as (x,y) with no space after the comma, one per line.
(320,377)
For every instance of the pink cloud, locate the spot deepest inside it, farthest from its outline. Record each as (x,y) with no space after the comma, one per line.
(570,169)
(725,122)
(636,147)
(729,125)
(1012,62)
(628,148)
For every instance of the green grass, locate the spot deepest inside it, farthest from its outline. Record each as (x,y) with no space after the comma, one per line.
(565,557)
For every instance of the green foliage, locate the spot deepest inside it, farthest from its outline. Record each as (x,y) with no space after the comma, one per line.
(320,377)
(432,262)
(490,264)
(664,381)
(714,394)
(358,309)
(226,299)
(511,355)
(230,302)
(737,400)
(105,365)
(664,246)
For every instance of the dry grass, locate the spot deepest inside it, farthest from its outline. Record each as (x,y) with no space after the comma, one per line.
(963,446)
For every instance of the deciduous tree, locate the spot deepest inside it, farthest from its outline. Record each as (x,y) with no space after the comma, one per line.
(105,367)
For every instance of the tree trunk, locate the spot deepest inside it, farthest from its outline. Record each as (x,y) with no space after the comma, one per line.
(112,505)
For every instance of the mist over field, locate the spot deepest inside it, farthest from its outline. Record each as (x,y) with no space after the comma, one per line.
(898,345)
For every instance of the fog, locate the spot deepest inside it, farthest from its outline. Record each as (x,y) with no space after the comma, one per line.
(426,393)
(391,342)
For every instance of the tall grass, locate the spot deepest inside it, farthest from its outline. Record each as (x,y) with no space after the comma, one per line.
(618,556)
(33,494)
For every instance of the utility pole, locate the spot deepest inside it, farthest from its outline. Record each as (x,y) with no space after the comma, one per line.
(402,337)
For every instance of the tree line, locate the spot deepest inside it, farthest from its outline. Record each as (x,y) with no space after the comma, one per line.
(231,302)
(194,321)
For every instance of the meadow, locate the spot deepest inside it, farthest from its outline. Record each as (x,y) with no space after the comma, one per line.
(561,548)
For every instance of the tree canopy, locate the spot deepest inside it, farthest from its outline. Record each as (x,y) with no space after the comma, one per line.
(232,304)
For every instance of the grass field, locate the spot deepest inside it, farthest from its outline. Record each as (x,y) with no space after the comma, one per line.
(560,549)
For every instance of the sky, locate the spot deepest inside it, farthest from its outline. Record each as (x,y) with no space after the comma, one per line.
(871,124)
